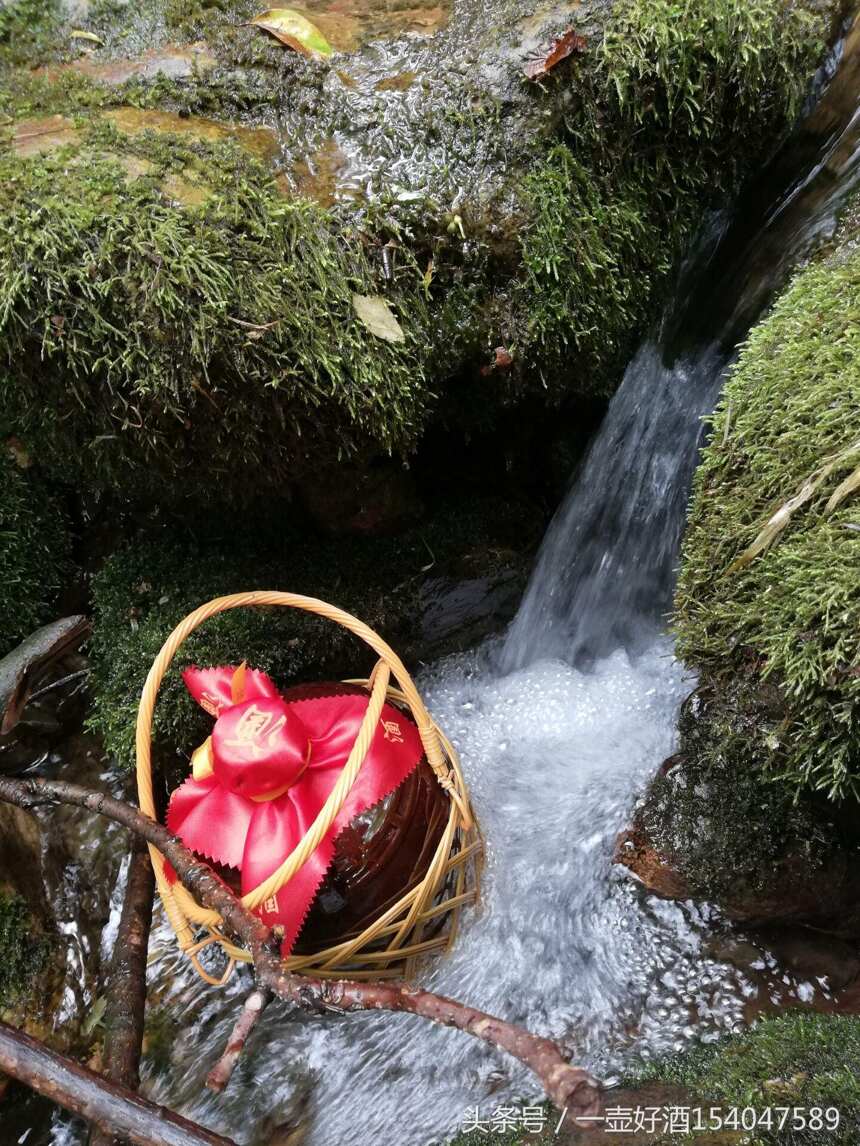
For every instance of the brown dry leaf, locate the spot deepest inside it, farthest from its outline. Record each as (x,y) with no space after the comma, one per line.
(502,360)
(375,313)
(559,50)
(294,30)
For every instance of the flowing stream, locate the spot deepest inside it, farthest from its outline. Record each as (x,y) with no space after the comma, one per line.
(559,727)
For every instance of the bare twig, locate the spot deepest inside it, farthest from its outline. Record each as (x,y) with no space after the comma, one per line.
(567,1086)
(105,1104)
(126,992)
(255,1004)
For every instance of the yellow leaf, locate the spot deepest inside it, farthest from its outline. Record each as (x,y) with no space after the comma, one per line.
(294,30)
(78,34)
(378,317)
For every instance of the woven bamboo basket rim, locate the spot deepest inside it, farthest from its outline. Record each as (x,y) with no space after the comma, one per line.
(451,880)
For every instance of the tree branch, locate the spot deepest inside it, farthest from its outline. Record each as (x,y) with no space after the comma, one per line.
(108,1106)
(567,1086)
(255,1004)
(126,989)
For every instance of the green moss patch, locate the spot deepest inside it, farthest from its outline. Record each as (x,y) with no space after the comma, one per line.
(795,1060)
(733,834)
(34,555)
(144,344)
(23,952)
(792,615)
(148,587)
(675,104)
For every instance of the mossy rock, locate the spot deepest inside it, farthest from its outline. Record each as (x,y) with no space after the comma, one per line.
(801,1060)
(790,615)
(715,825)
(23,953)
(146,588)
(172,328)
(146,344)
(34,554)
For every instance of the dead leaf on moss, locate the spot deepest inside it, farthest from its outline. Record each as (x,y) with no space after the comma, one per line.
(294,30)
(79,34)
(375,314)
(559,50)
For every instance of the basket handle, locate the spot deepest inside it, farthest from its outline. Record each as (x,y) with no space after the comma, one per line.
(390,663)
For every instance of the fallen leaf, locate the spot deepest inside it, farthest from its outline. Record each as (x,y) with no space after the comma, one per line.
(294,30)
(95,1016)
(375,313)
(78,34)
(502,360)
(559,50)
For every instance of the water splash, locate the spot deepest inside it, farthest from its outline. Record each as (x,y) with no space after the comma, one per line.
(563,944)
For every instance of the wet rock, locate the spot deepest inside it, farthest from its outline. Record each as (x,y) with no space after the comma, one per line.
(714,826)
(36,136)
(654,871)
(172,62)
(813,956)
(133,121)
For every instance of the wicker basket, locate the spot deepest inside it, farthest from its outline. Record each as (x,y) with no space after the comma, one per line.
(390,945)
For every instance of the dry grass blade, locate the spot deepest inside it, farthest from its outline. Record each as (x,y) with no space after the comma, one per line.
(779,520)
(851,483)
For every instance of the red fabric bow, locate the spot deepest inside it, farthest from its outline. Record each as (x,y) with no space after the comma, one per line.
(267,770)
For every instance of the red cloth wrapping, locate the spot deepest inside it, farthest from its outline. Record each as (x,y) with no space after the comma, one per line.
(275,759)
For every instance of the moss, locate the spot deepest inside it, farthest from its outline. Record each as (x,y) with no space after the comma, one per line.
(795,1060)
(145,344)
(722,823)
(145,589)
(590,252)
(680,102)
(792,615)
(34,554)
(27,31)
(23,951)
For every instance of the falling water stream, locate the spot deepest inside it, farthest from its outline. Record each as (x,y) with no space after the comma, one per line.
(559,726)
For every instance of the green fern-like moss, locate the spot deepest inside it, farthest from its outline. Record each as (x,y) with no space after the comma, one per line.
(146,344)
(792,615)
(23,952)
(680,100)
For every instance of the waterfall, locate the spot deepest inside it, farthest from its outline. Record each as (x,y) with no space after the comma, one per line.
(605,573)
